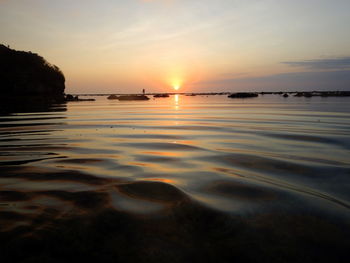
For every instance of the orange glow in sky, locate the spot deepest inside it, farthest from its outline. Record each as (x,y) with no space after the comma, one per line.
(167,45)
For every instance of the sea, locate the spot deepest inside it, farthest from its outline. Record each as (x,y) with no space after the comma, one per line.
(201,178)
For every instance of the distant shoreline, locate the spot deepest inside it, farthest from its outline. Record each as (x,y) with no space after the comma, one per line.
(313,93)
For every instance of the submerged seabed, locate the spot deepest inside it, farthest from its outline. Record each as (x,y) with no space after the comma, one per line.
(178,179)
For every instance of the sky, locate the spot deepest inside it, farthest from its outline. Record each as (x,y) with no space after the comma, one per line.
(124,46)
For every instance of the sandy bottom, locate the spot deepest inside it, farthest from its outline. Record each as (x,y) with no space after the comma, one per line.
(150,221)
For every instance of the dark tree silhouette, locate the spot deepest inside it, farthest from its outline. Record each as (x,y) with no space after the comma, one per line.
(26,74)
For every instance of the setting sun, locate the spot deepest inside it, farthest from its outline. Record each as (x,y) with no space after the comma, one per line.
(176,83)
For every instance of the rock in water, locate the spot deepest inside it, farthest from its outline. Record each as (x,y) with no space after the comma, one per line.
(128,97)
(242,95)
(133,97)
(112,97)
(27,78)
(162,95)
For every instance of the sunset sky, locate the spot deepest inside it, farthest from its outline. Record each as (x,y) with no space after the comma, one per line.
(122,46)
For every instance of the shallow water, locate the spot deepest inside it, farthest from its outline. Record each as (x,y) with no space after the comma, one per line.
(267,165)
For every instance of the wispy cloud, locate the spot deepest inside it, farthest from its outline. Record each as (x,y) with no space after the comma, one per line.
(292,81)
(325,64)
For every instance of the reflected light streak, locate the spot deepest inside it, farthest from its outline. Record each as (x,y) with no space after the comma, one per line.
(176,101)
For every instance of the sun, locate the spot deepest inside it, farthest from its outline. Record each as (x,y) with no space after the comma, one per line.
(176,83)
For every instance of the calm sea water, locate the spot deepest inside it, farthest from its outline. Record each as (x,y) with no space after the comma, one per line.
(180,175)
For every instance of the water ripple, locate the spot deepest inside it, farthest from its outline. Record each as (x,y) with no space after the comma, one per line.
(179,162)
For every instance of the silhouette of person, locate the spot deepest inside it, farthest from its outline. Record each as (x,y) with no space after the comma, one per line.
(143,91)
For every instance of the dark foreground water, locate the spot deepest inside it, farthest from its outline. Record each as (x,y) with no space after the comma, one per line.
(179,179)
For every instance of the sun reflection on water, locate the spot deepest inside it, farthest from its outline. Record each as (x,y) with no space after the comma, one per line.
(176,101)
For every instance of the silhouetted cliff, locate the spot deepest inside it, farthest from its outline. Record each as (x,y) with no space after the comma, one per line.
(26,77)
